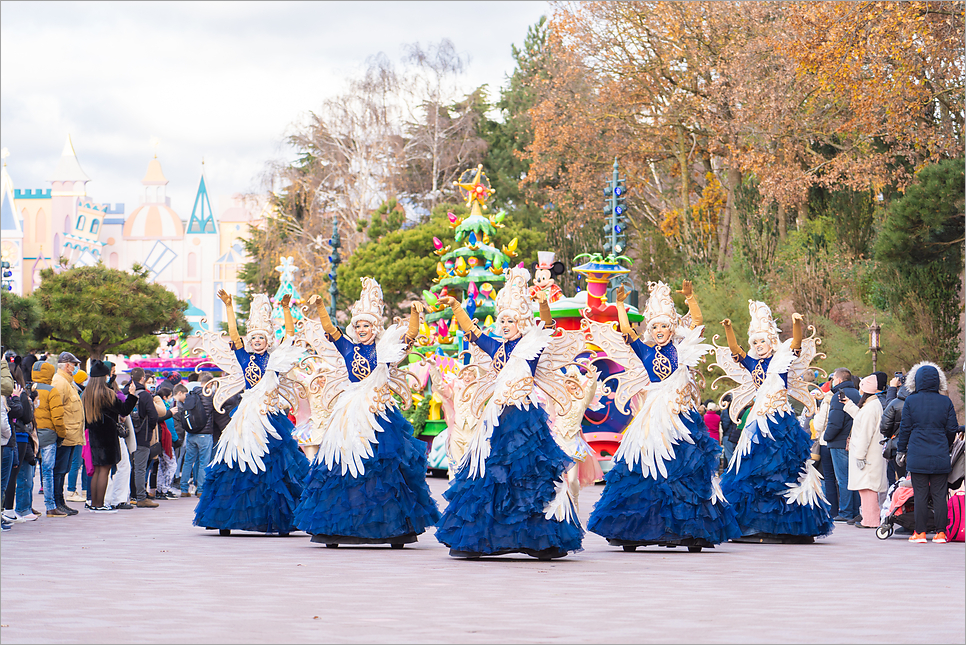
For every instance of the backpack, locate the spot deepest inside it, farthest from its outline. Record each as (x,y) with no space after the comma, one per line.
(195,415)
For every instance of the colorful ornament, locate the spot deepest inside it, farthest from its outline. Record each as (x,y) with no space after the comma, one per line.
(511,249)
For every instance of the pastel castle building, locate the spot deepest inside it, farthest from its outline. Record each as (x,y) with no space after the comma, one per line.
(192,257)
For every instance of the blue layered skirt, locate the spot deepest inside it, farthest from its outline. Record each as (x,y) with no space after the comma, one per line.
(256,501)
(673,509)
(390,499)
(756,486)
(504,510)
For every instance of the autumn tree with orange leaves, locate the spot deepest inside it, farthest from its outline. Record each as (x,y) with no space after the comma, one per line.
(778,98)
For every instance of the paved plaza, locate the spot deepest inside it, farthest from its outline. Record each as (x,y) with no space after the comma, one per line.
(148,575)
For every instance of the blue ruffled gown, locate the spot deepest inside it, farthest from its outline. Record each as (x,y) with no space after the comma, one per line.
(390,501)
(756,484)
(680,508)
(255,500)
(503,511)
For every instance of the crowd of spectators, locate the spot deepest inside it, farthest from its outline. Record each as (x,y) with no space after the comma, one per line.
(112,441)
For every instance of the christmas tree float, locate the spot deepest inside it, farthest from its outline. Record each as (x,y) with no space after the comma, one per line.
(474,271)
(287,270)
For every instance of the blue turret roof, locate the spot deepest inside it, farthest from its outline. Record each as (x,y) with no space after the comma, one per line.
(202,218)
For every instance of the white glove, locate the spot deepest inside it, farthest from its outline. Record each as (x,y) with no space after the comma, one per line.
(860,463)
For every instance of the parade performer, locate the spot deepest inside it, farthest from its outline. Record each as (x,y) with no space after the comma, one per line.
(545,272)
(662,489)
(510,494)
(568,431)
(367,484)
(771,480)
(255,480)
(456,393)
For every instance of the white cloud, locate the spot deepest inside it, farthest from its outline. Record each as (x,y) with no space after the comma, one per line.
(215,80)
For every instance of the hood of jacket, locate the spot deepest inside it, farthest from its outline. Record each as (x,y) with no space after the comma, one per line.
(926,377)
(903,392)
(43,372)
(844,385)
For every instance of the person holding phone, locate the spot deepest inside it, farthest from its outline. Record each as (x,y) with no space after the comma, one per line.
(103,411)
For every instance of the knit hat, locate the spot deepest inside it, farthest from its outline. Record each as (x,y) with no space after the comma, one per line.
(826,386)
(99,368)
(882,379)
(80,376)
(869,385)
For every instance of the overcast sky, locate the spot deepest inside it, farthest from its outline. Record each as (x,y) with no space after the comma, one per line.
(222,81)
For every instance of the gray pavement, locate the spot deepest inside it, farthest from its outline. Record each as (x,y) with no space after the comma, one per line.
(149,576)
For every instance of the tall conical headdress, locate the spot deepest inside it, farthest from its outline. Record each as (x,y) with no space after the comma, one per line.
(762,323)
(513,298)
(660,305)
(260,318)
(369,306)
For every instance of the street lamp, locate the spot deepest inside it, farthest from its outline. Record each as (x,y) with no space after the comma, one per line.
(874,339)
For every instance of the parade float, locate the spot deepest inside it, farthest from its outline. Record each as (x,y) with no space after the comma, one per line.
(471,269)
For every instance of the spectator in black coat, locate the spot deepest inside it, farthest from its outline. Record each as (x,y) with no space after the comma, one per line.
(889,427)
(837,431)
(925,436)
(147,422)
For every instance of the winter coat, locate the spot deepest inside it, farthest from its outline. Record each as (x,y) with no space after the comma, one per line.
(105,449)
(864,446)
(147,416)
(49,413)
(713,422)
(6,380)
(73,409)
(892,415)
(5,432)
(21,420)
(821,418)
(928,422)
(729,429)
(839,424)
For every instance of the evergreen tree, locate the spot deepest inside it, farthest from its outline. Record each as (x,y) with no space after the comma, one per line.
(921,241)
(94,310)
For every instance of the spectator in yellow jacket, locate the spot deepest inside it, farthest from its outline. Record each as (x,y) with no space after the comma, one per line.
(73,429)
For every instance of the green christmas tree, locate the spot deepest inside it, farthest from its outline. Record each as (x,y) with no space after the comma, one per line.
(473,272)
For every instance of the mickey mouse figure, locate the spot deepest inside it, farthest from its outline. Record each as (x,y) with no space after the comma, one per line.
(545,270)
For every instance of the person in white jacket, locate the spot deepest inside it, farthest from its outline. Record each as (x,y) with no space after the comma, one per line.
(867,467)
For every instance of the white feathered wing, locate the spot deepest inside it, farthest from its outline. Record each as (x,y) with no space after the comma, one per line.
(245,440)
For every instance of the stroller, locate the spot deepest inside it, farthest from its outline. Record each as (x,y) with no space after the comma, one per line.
(901,505)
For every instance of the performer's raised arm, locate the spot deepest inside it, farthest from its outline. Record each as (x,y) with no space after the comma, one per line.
(287,313)
(413,331)
(460,316)
(236,340)
(732,341)
(545,315)
(323,314)
(798,331)
(625,323)
(696,318)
